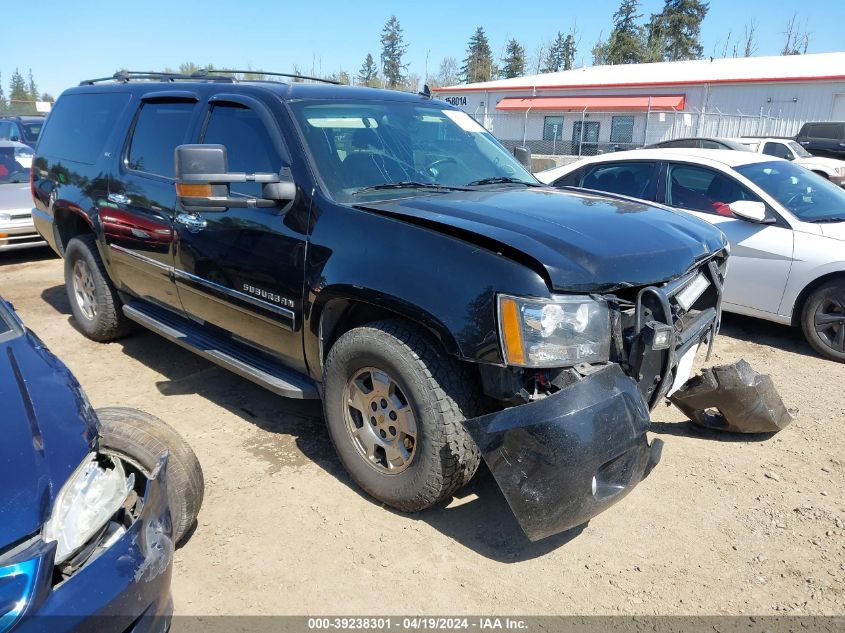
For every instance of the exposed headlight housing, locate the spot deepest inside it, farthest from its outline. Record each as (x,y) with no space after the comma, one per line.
(91,496)
(559,332)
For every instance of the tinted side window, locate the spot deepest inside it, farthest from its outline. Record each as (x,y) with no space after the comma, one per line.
(572,179)
(628,179)
(160,127)
(680,143)
(79,125)
(824,130)
(701,189)
(777,149)
(248,144)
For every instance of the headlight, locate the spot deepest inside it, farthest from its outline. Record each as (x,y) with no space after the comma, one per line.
(85,503)
(840,171)
(558,332)
(5,217)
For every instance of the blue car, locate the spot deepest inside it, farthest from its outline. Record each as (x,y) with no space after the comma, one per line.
(91,503)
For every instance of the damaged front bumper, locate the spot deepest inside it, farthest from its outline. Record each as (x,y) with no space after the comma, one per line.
(564,459)
(733,398)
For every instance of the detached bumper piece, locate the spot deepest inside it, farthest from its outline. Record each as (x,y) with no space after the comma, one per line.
(733,398)
(564,459)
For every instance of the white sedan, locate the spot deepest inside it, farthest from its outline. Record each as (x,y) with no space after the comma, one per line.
(785,224)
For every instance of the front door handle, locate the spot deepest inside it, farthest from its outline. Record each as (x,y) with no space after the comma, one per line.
(194,223)
(119,198)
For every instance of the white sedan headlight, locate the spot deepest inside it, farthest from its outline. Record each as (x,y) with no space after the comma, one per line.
(840,171)
(559,332)
(91,496)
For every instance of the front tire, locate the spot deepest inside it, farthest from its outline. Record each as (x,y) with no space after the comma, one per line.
(823,320)
(140,439)
(394,405)
(93,299)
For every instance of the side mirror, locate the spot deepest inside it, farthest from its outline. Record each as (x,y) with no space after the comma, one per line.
(750,210)
(523,155)
(203,179)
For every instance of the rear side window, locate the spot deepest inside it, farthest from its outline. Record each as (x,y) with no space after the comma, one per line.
(687,142)
(824,130)
(249,146)
(79,125)
(628,179)
(160,127)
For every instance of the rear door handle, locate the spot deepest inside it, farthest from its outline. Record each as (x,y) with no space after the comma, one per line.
(194,223)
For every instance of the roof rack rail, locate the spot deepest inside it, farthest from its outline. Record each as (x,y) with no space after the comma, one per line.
(125,76)
(271,74)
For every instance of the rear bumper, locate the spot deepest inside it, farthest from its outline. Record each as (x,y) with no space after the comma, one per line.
(18,234)
(564,459)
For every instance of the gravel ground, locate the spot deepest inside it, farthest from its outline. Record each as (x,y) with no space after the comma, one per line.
(724,525)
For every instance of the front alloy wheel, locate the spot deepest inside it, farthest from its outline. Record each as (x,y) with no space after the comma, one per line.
(380,420)
(823,320)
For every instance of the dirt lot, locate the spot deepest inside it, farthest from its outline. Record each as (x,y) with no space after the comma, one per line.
(724,525)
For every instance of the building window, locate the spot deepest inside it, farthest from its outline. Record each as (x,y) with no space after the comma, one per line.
(553,128)
(622,129)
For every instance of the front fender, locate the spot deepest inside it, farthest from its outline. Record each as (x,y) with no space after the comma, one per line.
(446,284)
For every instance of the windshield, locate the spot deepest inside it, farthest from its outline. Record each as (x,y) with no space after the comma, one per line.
(372,149)
(808,196)
(800,152)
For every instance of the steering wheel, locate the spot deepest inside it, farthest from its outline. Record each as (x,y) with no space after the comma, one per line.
(432,168)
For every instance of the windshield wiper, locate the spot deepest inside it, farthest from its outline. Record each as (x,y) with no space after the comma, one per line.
(408,184)
(823,220)
(497,180)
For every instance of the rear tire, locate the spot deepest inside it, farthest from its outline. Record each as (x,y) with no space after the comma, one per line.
(96,307)
(140,439)
(426,454)
(823,320)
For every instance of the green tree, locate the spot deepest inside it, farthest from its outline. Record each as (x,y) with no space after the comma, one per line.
(678,28)
(393,47)
(368,74)
(570,47)
(554,56)
(32,88)
(19,98)
(627,41)
(3,105)
(478,65)
(513,63)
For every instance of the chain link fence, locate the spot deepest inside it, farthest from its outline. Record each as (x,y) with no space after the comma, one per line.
(592,132)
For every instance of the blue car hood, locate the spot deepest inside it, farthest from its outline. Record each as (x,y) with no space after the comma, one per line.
(47,427)
(580,241)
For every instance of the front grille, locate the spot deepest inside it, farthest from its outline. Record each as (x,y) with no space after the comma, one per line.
(658,306)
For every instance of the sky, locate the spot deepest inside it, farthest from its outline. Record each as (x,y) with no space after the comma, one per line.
(79,39)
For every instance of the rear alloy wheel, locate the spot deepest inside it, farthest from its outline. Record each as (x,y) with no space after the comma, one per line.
(93,299)
(823,320)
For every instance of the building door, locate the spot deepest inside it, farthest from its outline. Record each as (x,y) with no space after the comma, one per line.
(586,145)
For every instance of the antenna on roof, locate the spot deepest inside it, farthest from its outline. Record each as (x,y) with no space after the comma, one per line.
(426,92)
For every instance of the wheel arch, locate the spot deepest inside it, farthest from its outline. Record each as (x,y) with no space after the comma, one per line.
(68,223)
(338,313)
(798,306)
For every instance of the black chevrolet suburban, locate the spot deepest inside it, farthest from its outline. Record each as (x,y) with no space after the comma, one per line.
(382,251)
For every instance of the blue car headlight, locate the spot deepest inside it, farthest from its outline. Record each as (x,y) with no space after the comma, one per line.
(89,498)
(17,581)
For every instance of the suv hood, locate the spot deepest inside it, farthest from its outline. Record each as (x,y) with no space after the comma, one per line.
(47,428)
(583,242)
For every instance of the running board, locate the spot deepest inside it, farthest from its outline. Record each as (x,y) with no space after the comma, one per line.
(249,364)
